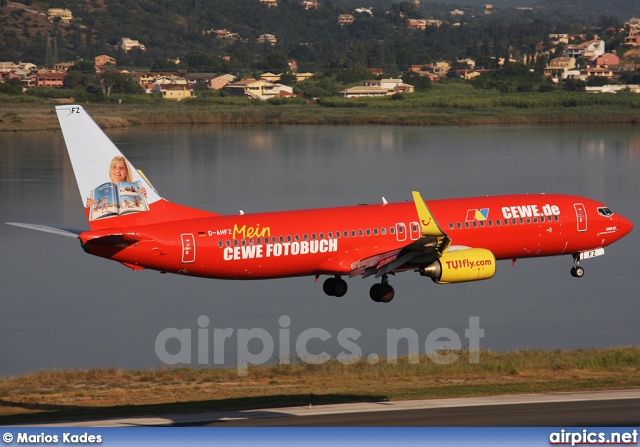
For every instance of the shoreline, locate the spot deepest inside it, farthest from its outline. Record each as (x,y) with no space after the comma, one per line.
(21,117)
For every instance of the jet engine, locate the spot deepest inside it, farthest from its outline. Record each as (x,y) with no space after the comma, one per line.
(469,264)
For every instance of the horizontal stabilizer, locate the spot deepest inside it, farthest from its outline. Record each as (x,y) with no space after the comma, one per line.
(68,232)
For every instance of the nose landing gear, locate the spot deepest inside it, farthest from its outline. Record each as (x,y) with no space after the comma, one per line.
(576,270)
(382,292)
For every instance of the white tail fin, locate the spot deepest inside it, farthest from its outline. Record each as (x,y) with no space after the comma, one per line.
(112,201)
(91,152)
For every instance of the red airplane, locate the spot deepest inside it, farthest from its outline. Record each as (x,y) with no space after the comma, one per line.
(450,241)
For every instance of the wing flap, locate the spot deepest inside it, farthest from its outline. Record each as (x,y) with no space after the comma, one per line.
(432,243)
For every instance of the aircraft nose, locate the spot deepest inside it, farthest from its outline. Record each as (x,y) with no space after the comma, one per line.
(625,225)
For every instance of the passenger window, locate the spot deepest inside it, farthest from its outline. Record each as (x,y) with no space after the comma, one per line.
(482,223)
(337,234)
(451,225)
(313,236)
(220,244)
(346,234)
(359,232)
(244,242)
(228,243)
(392,230)
(353,233)
(321,235)
(297,238)
(281,238)
(235,242)
(521,220)
(490,223)
(375,231)
(251,241)
(555,218)
(288,238)
(528,220)
(383,230)
(513,221)
(368,232)
(466,224)
(459,225)
(306,237)
(497,222)
(475,224)
(330,235)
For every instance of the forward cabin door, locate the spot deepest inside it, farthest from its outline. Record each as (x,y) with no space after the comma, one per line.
(581,216)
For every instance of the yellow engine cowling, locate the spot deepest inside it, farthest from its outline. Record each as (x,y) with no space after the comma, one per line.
(469,264)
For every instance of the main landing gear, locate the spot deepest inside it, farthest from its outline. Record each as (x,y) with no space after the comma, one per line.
(335,286)
(576,270)
(382,292)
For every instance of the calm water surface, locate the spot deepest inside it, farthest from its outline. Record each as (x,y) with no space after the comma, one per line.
(62,308)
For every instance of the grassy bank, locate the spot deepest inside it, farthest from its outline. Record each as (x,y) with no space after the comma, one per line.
(447,104)
(56,395)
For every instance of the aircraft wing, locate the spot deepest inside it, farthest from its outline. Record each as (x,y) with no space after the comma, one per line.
(430,246)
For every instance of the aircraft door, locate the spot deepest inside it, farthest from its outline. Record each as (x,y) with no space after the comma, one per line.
(415,231)
(581,216)
(188,248)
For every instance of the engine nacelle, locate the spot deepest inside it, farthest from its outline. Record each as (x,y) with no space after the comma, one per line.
(469,264)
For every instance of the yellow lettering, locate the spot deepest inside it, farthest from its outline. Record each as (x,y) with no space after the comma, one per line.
(244,232)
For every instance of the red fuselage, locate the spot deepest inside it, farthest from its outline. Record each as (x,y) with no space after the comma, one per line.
(332,240)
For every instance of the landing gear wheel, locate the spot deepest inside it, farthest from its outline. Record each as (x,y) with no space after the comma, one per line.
(577,272)
(335,286)
(374,292)
(381,293)
(329,286)
(340,287)
(386,293)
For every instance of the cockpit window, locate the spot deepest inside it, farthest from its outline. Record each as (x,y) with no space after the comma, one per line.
(606,212)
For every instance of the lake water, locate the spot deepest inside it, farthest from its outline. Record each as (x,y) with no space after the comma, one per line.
(62,308)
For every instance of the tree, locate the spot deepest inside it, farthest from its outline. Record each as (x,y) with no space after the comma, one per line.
(288,78)
(574,85)
(112,82)
(203,61)
(85,67)
(275,61)
(11,87)
(162,64)
(421,83)
(354,75)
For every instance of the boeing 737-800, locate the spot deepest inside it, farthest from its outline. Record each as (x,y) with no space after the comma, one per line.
(449,241)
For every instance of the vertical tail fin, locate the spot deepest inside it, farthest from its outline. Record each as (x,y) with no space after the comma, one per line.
(92,153)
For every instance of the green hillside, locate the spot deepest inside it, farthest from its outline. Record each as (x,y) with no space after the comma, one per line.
(183,29)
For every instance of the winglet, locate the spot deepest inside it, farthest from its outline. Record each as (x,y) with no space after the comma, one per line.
(427,222)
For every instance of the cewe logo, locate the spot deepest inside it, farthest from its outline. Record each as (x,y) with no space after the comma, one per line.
(477,214)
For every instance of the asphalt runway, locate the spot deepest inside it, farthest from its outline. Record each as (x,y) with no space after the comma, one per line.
(593,408)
